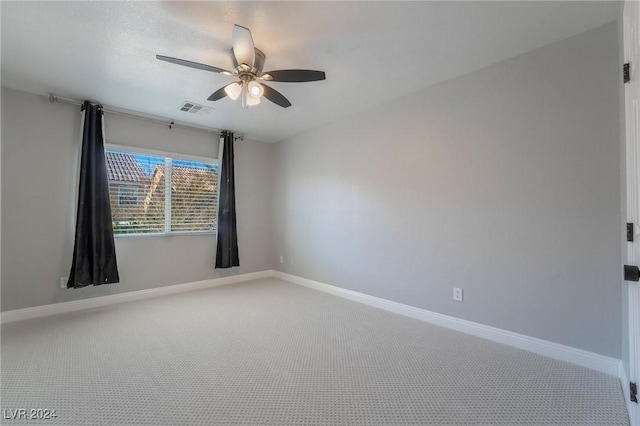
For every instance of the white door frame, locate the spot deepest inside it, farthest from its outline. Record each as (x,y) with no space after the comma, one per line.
(631,41)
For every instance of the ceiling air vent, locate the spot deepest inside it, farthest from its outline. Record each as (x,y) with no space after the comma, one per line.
(194,108)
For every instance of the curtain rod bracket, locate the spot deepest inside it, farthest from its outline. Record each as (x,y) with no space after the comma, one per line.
(52,98)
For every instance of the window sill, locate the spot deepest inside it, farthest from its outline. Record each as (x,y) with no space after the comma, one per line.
(164,234)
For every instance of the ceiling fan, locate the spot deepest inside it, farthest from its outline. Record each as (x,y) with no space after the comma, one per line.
(247,66)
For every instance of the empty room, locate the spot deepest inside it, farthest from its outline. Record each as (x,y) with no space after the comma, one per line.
(320,213)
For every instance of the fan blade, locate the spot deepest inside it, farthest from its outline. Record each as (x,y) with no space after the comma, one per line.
(276,97)
(218,94)
(294,76)
(191,64)
(243,48)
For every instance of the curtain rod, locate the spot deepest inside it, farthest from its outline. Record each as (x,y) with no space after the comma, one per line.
(145,117)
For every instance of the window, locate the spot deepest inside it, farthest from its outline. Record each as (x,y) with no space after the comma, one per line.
(127,194)
(156,194)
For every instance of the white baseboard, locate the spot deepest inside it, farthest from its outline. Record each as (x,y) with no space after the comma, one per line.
(557,351)
(580,357)
(94,302)
(631,406)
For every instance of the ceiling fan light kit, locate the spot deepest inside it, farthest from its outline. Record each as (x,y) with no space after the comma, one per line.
(233,90)
(247,67)
(255,89)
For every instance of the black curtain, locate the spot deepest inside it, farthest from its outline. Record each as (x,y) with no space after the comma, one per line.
(227,248)
(94,251)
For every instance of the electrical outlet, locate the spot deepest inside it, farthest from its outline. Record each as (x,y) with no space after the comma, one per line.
(457,294)
(63,282)
(281,259)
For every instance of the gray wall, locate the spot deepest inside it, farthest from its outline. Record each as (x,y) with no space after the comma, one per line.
(505,182)
(39,159)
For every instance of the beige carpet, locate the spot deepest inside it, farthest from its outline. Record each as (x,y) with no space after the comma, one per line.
(268,352)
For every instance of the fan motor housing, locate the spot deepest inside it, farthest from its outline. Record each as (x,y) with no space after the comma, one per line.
(257,66)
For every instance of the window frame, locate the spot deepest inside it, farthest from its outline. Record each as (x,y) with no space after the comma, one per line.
(172,156)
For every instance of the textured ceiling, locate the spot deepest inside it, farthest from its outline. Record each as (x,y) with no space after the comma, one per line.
(372,52)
